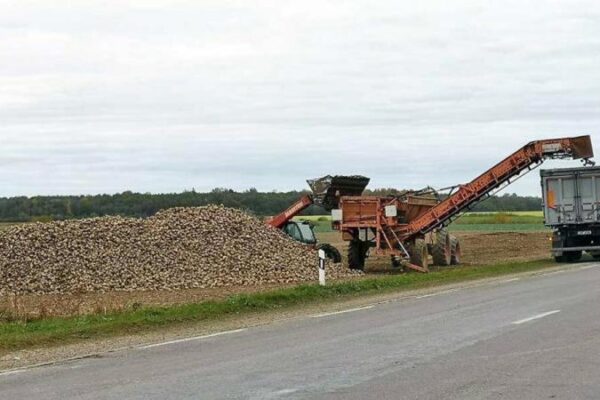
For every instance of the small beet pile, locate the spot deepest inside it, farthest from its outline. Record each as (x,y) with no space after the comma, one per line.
(179,248)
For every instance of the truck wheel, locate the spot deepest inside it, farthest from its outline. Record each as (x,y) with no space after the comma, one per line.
(441,249)
(455,251)
(559,259)
(418,254)
(572,256)
(330,252)
(357,254)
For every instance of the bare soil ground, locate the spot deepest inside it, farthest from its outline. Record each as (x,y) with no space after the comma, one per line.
(495,247)
(478,248)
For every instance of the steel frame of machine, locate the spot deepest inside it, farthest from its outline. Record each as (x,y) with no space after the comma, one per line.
(391,225)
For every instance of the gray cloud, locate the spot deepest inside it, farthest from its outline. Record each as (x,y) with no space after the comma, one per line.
(167,95)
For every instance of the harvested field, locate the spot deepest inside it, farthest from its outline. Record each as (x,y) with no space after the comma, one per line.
(180,248)
(478,248)
(27,306)
(496,247)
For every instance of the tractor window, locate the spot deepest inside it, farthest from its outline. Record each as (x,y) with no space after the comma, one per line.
(307,233)
(292,230)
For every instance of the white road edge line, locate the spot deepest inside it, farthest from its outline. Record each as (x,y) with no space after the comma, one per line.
(12,372)
(150,346)
(538,316)
(436,294)
(342,312)
(510,280)
(561,271)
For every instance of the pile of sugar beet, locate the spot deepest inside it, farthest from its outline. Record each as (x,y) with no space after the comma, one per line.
(178,248)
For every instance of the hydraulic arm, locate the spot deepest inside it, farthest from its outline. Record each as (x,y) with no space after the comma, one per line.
(283,218)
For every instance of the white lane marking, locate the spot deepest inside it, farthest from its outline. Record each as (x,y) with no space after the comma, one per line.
(342,312)
(286,391)
(562,271)
(589,266)
(436,294)
(510,280)
(149,346)
(538,316)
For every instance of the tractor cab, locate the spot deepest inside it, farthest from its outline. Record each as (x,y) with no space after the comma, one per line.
(300,231)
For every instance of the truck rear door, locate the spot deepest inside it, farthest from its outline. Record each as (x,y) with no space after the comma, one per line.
(588,190)
(560,199)
(571,196)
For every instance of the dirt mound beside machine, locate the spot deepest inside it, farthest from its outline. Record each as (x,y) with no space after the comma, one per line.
(411,226)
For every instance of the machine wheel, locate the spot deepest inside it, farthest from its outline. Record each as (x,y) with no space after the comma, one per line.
(441,250)
(572,256)
(455,250)
(331,252)
(357,254)
(418,254)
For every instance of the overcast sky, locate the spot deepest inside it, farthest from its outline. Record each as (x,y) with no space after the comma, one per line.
(162,96)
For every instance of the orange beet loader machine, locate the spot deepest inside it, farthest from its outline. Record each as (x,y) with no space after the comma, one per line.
(411,226)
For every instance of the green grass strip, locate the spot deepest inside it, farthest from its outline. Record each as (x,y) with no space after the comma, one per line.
(24,334)
(498,228)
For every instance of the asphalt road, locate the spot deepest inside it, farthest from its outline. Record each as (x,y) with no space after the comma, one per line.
(531,338)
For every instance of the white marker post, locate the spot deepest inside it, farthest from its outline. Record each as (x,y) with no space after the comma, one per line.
(322,257)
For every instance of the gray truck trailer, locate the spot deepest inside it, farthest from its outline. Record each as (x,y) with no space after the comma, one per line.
(572,209)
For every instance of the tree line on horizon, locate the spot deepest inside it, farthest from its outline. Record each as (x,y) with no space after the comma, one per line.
(129,204)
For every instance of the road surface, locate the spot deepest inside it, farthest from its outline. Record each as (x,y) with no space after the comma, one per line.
(530,338)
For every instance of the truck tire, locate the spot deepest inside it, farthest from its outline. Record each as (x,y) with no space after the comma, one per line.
(455,251)
(357,254)
(330,252)
(572,256)
(441,249)
(418,254)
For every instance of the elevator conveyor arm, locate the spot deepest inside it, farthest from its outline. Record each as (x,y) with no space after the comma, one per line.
(467,195)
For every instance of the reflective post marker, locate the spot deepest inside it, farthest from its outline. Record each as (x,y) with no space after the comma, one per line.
(322,257)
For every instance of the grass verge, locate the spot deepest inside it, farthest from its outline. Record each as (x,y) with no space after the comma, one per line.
(16,335)
(500,218)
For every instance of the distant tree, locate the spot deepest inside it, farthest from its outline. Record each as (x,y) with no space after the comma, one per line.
(144,204)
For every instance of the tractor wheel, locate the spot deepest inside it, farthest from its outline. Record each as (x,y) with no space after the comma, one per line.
(455,250)
(441,250)
(418,254)
(330,252)
(572,256)
(357,254)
